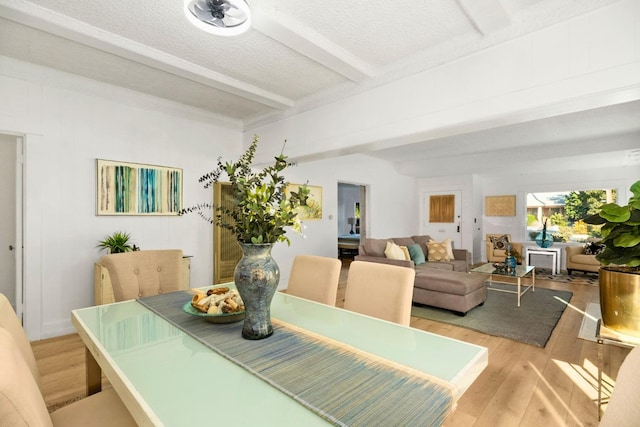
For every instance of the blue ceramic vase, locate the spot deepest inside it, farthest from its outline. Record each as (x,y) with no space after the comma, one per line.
(256,277)
(546,242)
(511,262)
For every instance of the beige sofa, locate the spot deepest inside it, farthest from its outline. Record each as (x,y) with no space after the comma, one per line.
(444,284)
(576,259)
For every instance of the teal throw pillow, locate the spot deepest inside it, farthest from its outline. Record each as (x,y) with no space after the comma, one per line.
(416,254)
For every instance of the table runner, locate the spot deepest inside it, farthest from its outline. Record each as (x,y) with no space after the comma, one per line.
(344,386)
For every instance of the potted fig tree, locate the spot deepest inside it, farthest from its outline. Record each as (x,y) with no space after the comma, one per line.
(619,275)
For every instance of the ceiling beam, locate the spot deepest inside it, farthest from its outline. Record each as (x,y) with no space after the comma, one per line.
(488,16)
(302,39)
(42,19)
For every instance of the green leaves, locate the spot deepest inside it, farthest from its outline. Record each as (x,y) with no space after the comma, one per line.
(118,242)
(260,211)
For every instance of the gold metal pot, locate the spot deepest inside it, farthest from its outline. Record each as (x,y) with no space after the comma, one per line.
(620,301)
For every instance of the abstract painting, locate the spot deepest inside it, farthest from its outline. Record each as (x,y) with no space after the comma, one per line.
(137,189)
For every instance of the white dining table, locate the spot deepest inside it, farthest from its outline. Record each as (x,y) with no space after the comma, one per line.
(166,377)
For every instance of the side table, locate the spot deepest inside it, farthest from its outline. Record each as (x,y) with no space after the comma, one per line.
(605,336)
(554,253)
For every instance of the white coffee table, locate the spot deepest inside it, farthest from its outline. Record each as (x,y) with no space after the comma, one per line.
(519,272)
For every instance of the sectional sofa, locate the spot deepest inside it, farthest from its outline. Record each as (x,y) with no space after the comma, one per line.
(445,284)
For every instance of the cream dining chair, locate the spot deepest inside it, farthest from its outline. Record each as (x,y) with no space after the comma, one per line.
(315,278)
(145,273)
(623,409)
(380,290)
(21,399)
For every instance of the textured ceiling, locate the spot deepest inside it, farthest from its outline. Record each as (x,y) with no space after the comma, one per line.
(297,53)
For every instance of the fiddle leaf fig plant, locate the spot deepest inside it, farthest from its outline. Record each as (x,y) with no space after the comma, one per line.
(620,233)
(116,243)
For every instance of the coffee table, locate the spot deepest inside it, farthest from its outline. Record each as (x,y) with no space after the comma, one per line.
(519,272)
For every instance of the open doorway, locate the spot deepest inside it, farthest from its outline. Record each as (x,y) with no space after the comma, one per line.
(11,219)
(352,215)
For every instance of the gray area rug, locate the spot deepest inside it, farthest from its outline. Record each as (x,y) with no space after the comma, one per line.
(531,323)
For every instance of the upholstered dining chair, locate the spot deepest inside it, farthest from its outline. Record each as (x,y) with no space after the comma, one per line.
(623,409)
(380,290)
(10,322)
(21,400)
(144,273)
(315,278)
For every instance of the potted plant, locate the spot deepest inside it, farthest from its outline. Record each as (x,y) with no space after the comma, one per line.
(258,216)
(619,275)
(116,243)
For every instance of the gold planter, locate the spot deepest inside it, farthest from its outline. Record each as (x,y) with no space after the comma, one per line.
(620,301)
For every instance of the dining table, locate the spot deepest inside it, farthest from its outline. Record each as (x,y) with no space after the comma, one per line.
(171,368)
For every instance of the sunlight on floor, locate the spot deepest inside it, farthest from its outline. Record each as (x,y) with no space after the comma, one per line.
(545,397)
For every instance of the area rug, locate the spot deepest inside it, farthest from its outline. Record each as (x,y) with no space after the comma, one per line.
(531,323)
(579,278)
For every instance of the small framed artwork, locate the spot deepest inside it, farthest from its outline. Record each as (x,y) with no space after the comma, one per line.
(500,205)
(137,189)
(313,210)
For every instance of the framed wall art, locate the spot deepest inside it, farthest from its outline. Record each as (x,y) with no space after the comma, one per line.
(500,205)
(137,189)
(313,210)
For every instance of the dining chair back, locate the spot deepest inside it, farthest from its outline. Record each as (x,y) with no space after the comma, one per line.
(623,409)
(140,274)
(380,290)
(10,322)
(22,403)
(315,278)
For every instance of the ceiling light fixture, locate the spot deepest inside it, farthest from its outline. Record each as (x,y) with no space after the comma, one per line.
(219,17)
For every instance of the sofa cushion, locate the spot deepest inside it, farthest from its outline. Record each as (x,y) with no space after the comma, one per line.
(500,242)
(439,251)
(393,251)
(416,253)
(375,247)
(422,241)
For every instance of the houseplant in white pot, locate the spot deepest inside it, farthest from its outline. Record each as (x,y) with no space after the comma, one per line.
(258,216)
(619,275)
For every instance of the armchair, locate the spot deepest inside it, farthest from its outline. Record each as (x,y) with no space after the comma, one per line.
(577,259)
(496,245)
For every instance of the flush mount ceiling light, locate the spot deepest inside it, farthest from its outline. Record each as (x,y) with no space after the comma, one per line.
(219,17)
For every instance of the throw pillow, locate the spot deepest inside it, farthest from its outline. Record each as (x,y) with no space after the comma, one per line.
(593,248)
(449,245)
(405,251)
(438,252)
(500,242)
(393,251)
(416,254)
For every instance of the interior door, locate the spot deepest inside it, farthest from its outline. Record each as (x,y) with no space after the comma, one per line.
(226,251)
(8,153)
(446,222)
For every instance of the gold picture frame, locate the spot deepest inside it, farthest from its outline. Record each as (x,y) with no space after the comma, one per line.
(313,210)
(500,205)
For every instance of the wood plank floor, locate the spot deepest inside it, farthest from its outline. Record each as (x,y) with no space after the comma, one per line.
(522,386)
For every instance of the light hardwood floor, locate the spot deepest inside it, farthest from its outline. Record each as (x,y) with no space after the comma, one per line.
(522,386)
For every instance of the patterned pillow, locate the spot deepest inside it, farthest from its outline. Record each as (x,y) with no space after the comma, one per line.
(500,242)
(439,252)
(593,248)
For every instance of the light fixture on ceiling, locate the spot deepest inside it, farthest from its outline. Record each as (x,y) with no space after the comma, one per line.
(219,17)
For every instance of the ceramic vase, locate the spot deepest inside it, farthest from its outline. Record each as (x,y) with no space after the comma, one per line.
(256,277)
(546,242)
(511,262)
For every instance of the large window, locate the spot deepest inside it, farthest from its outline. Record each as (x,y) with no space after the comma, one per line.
(565,212)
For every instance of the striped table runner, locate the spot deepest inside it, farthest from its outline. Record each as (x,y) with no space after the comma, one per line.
(344,386)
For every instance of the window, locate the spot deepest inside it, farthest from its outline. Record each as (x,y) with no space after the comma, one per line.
(565,212)
(441,208)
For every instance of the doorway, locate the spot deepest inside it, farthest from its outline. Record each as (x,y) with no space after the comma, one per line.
(11,147)
(352,218)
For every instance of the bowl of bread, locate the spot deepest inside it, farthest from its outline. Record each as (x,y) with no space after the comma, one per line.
(217,305)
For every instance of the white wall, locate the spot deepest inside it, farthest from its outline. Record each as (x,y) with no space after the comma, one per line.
(66,130)
(391,205)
